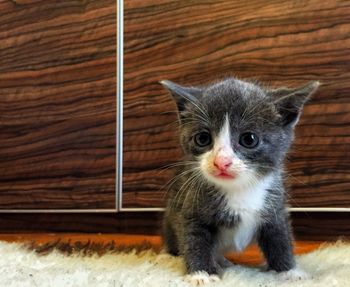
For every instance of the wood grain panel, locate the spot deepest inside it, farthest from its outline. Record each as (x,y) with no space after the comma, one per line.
(277,42)
(307,226)
(57,104)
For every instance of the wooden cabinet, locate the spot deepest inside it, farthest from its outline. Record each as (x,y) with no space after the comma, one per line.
(57,105)
(59,95)
(277,42)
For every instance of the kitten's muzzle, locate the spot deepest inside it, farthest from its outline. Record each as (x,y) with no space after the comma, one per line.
(222,161)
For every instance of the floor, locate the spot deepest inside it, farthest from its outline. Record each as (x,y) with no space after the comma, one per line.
(251,256)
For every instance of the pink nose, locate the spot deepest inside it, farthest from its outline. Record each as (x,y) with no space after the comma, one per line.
(222,162)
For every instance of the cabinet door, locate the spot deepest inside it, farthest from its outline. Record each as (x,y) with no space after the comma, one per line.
(57,105)
(277,42)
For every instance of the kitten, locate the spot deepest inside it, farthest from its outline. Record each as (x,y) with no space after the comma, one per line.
(229,189)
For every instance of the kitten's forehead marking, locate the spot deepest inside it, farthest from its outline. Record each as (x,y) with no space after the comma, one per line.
(224,137)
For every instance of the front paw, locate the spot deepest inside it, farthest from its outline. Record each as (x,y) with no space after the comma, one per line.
(294,274)
(201,277)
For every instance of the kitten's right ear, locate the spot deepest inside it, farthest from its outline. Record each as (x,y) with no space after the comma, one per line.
(182,95)
(290,102)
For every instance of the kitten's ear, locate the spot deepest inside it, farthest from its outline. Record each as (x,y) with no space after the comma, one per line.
(290,102)
(182,95)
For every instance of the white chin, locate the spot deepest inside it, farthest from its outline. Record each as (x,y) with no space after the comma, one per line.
(241,181)
(220,182)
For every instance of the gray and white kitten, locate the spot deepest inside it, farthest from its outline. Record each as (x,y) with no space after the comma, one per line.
(229,189)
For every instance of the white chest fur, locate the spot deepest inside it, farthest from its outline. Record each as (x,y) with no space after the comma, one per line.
(246,201)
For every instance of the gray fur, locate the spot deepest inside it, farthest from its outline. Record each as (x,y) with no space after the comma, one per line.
(196,208)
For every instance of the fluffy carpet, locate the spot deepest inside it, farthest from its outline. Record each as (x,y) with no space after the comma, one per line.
(19,266)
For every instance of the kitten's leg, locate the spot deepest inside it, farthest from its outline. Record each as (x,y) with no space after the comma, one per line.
(170,239)
(199,256)
(275,240)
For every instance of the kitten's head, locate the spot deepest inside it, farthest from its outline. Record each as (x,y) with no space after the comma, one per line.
(237,132)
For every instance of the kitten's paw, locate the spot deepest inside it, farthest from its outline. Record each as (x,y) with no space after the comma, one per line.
(201,278)
(294,274)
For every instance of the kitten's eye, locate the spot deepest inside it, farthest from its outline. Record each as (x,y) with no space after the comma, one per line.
(202,139)
(249,140)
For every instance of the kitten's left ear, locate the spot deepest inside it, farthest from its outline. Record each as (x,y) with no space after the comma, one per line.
(290,102)
(182,95)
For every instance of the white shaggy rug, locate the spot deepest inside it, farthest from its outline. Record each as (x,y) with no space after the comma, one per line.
(329,266)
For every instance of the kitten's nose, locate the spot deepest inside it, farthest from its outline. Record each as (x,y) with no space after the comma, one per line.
(222,162)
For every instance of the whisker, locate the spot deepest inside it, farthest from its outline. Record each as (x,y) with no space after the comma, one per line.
(173,180)
(172,165)
(182,188)
(189,190)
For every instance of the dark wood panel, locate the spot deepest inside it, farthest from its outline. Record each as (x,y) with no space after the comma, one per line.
(307,226)
(277,42)
(321,225)
(57,104)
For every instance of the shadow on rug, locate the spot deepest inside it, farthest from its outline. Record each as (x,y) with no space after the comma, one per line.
(92,264)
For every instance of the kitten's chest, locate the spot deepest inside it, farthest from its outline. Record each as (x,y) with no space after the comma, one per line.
(238,237)
(247,206)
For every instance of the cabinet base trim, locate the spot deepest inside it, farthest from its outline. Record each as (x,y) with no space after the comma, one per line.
(156,209)
(292,209)
(58,210)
